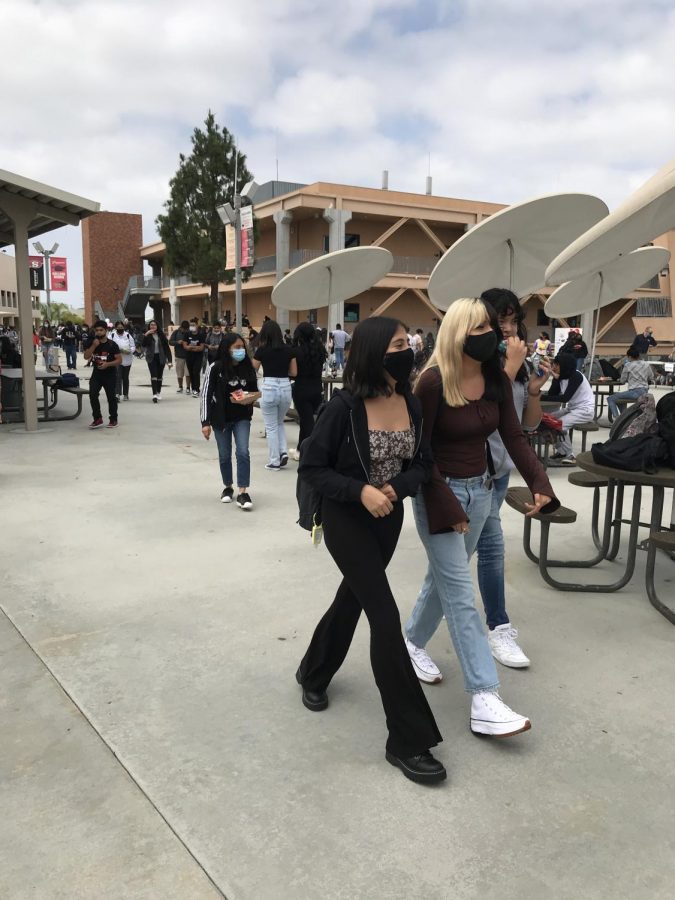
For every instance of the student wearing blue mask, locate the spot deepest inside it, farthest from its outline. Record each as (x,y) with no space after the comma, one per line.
(226,407)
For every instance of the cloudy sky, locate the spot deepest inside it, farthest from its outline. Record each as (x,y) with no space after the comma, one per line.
(508,98)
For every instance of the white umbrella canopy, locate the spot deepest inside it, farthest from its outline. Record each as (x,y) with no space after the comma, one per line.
(646,214)
(613,281)
(332,278)
(616,279)
(513,247)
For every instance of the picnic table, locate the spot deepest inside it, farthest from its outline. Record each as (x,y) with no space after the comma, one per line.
(600,395)
(50,394)
(329,382)
(608,544)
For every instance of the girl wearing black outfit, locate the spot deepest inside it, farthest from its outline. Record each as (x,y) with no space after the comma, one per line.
(229,391)
(310,356)
(157,355)
(363,457)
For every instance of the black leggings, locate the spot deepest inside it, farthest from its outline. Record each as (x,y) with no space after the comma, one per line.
(194,367)
(307,400)
(362,547)
(156,371)
(123,380)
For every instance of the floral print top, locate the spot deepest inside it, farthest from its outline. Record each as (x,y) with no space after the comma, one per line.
(388,450)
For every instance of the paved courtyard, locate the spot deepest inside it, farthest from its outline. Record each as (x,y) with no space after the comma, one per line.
(152,740)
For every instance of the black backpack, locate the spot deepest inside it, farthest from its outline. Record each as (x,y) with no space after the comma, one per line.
(68,380)
(309,500)
(665,416)
(609,371)
(642,453)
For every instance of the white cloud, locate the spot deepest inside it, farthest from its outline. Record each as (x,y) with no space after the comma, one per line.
(512,98)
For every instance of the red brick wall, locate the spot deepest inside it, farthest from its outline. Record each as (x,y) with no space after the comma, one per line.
(111,255)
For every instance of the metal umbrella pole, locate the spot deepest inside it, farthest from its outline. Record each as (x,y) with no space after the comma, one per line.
(596,327)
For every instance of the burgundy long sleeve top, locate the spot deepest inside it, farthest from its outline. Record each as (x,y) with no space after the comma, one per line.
(458,436)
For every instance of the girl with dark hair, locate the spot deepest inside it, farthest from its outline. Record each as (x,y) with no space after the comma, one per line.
(127,346)
(466,396)
(157,355)
(363,457)
(571,387)
(226,407)
(278,365)
(310,357)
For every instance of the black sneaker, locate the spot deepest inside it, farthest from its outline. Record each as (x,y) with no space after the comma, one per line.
(244,501)
(227,495)
(154,399)
(284,460)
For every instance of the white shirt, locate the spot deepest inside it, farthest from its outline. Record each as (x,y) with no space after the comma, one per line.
(126,344)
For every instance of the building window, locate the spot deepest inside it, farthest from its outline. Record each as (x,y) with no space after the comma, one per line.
(542,318)
(352,311)
(351,240)
(312,317)
(656,307)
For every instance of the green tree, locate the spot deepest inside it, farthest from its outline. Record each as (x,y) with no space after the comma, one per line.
(60,312)
(191,228)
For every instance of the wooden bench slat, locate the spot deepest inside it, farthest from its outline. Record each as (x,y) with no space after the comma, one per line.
(587,479)
(664,540)
(517,497)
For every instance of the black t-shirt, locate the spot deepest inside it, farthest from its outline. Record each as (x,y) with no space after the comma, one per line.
(244,381)
(308,370)
(105,352)
(194,338)
(275,360)
(69,337)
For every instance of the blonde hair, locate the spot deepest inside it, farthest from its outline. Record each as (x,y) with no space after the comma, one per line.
(461,318)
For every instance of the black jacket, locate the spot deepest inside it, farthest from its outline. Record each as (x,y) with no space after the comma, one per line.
(335,458)
(215,405)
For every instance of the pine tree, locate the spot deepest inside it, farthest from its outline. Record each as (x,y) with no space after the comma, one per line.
(191,228)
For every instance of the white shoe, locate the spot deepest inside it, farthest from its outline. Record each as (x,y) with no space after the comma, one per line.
(159,397)
(490,715)
(424,666)
(505,649)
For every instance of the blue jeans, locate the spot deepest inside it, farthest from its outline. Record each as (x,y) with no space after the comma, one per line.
(274,404)
(581,362)
(623,395)
(448,586)
(71,356)
(340,357)
(240,431)
(490,550)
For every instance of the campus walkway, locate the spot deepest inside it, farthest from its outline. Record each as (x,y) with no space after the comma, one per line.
(152,740)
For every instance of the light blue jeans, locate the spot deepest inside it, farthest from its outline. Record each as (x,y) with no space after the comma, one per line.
(632,394)
(274,404)
(448,587)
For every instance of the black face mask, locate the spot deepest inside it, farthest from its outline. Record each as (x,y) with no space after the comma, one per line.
(399,365)
(481,346)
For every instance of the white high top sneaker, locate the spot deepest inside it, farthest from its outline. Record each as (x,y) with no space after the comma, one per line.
(424,666)
(504,647)
(490,715)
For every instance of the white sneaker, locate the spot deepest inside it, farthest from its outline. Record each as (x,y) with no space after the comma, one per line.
(424,666)
(159,397)
(490,715)
(505,649)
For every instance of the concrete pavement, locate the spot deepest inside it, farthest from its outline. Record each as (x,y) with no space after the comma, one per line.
(164,628)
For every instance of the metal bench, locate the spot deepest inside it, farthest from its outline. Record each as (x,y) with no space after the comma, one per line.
(596,482)
(584,428)
(78,392)
(659,540)
(517,498)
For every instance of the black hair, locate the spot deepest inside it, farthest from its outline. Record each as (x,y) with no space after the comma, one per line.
(224,359)
(118,322)
(364,374)
(101,324)
(567,364)
(492,370)
(546,335)
(633,352)
(308,341)
(185,324)
(271,335)
(505,303)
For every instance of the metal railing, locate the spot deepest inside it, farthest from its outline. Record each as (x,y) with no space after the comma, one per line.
(264,265)
(656,307)
(143,283)
(300,257)
(414,265)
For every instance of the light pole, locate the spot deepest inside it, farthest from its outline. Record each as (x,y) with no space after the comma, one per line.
(45,254)
(230,215)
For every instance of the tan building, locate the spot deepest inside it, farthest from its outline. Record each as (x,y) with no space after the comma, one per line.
(298,223)
(9,306)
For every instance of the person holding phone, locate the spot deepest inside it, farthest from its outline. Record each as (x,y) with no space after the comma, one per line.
(157,355)
(105,356)
(365,454)
(226,408)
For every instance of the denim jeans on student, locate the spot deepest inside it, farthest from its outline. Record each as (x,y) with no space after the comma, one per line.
(71,355)
(240,431)
(632,394)
(490,552)
(340,357)
(448,586)
(274,404)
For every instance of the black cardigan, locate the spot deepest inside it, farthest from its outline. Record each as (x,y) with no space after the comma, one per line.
(335,459)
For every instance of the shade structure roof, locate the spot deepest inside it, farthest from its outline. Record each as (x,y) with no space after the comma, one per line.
(53,207)
(512,248)
(617,278)
(646,214)
(332,278)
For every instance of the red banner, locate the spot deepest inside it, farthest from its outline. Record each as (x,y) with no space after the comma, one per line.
(58,273)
